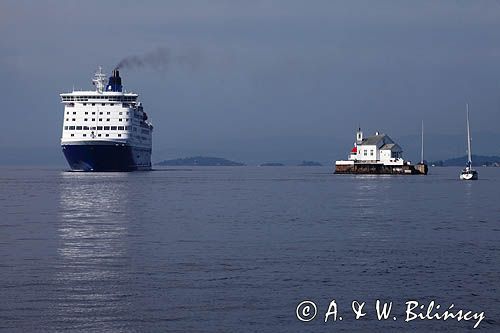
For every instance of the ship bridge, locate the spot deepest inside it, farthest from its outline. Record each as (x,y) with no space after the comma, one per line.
(111,91)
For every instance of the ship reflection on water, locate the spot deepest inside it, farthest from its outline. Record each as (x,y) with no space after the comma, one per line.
(92,250)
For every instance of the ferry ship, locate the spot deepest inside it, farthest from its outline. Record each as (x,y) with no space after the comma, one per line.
(106,129)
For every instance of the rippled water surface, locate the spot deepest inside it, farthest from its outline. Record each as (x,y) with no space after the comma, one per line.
(236,249)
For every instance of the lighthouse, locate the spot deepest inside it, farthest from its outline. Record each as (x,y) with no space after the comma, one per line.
(359,136)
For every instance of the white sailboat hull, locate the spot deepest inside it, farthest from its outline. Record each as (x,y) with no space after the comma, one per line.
(469,175)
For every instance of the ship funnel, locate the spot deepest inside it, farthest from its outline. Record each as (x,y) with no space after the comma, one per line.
(115,81)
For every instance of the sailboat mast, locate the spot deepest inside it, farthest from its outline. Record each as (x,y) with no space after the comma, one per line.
(422,151)
(468,138)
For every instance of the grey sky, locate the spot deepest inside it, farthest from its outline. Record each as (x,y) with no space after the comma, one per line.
(275,79)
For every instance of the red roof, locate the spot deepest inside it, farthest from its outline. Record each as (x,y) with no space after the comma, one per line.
(354,150)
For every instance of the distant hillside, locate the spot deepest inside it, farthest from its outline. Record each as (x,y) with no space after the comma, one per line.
(199,161)
(477,160)
(310,163)
(272,164)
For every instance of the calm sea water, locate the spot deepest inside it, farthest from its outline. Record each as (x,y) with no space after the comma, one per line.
(237,249)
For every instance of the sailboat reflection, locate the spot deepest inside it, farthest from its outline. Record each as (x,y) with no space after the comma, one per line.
(92,250)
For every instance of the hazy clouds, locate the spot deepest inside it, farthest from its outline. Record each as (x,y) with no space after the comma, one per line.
(268,71)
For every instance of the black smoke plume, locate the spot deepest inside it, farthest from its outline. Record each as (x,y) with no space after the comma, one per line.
(161,59)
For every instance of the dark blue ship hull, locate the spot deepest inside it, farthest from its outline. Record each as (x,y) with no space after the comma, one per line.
(106,157)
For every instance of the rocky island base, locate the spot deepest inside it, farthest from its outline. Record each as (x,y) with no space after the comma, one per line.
(380,169)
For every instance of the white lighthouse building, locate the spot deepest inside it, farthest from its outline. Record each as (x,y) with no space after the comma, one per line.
(378,148)
(377,154)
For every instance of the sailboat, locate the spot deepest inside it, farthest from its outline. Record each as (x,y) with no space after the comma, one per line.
(468,173)
(422,166)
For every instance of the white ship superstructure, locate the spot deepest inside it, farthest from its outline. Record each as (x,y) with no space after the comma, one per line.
(106,129)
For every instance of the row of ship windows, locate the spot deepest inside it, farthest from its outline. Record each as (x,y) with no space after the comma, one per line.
(86,112)
(138,116)
(93,104)
(99,135)
(93,119)
(109,98)
(106,128)
(99,128)
(118,135)
(124,105)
